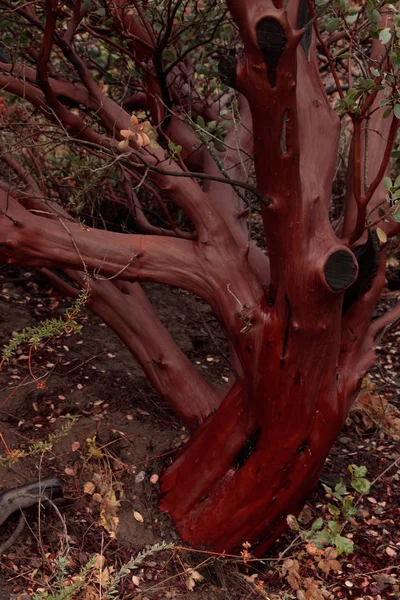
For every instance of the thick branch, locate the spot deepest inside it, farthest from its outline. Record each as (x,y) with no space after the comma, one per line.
(125,308)
(29,239)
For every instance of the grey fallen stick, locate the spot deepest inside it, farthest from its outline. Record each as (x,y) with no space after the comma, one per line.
(24,496)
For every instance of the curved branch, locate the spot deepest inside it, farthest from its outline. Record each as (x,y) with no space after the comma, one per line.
(125,308)
(34,240)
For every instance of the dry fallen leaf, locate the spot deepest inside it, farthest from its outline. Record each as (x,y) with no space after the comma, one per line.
(138,516)
(100,561)
(381,235)
(75,446)
(192,578)
(89,488)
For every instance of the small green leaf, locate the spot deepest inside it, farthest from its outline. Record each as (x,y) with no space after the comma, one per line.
(385,35)
(387,183)
(343,545)
(397,111)
(333,24)
(396,215)
(334,527)
(350,19)
(335,512)
(202,70)
(201,122)
(212,125)
(358,471)
(219,146)
(361,485)
(340,490)
(387,112)
(317,524)
(168,54)
(374,16)
(322,538)
(327,488)
(87,4)
(397,182)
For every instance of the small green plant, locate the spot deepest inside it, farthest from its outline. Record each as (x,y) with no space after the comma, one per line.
(341,508)
(173,151)
(217,131)
(49,328)
(94,574)
(38,447)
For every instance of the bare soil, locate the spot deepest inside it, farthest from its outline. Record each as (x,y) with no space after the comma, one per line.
(93,377)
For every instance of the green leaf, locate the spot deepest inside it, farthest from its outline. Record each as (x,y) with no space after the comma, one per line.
(387,183)
(219,146)
(327,488)
(322,538)
(396,215)
(397,182)
(343,545)
(202,70)
(397,111)
(87,4)
(317,524)
(201,122)
(374,72)
(385,35)
(334,510)
(212,125)
(334,527)
(348,509)
(374,16)
(340,490)
(350,19)
(361,485)
(387,112)
(333,24)
(358,471)
(168,54)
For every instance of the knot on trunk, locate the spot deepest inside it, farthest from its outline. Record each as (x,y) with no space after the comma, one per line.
(272,40)
(340,270)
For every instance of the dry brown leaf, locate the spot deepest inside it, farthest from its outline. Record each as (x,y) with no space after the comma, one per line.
(138,516)
(89,488)
(192,578)
(135,580)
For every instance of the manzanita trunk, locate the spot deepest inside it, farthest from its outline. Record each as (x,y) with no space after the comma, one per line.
(298,321)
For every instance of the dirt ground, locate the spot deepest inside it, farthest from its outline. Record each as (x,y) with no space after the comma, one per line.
(112,437)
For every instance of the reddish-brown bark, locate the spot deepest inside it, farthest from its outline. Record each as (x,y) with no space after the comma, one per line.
(297,320)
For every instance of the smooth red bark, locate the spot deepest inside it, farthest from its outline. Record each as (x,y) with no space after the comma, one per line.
(299,351)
